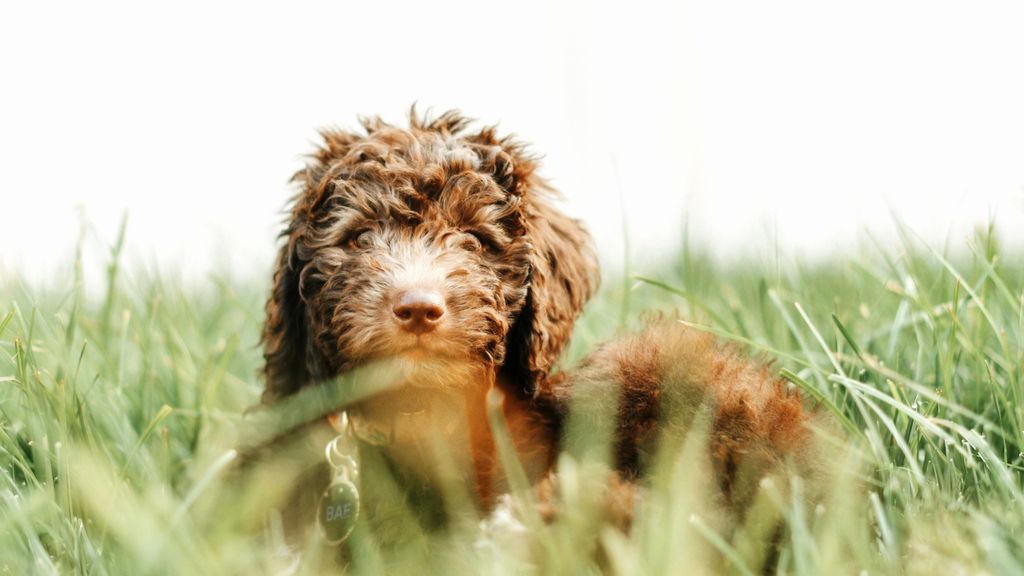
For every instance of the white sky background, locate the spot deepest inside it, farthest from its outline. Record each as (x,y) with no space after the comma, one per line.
(783,124)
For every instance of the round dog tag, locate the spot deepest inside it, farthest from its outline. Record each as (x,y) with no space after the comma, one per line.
(339,507)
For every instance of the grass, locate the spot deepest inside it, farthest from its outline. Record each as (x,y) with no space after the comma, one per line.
(119,408)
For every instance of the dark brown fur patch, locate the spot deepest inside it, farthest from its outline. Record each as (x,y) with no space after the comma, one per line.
(666,373)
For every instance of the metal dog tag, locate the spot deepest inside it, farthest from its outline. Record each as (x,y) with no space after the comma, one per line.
(339,504)
(339,508)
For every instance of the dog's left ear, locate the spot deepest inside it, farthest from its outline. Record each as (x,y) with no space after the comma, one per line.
(563,276)
(563,268)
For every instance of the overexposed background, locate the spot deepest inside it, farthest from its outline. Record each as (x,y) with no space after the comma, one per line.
(789,125)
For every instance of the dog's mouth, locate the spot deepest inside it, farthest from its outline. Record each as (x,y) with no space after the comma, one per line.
(432,365)
(425,359)
(424,350)
(430,346)
(410,352)
(422,347)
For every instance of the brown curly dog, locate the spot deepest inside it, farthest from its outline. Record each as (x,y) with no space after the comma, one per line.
(441,249)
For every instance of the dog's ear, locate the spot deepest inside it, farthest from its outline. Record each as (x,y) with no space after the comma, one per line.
(563,268)
(563,276)
(285,336)
(291,358)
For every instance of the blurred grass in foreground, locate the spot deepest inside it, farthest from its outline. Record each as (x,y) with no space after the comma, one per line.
(118,413)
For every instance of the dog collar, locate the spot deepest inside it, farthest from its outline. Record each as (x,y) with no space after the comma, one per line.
(394,428)
(375,432)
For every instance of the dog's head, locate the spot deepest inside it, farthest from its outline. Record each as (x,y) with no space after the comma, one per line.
(425,243)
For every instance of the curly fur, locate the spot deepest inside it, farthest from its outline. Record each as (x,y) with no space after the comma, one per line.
(429,204)
(661,378)
(465,213)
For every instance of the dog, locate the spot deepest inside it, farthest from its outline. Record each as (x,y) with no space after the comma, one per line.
(441,250)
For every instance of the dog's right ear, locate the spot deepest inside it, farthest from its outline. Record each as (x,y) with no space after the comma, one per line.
(285,338)
(291,358)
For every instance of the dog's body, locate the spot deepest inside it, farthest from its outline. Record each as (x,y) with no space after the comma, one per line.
(441,250)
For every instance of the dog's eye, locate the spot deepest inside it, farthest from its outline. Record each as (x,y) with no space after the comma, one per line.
(480,241)
(358,240)
(472,243)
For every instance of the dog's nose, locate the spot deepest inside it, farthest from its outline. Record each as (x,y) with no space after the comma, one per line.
(418,311)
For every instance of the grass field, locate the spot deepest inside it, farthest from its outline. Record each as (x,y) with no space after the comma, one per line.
(119,407)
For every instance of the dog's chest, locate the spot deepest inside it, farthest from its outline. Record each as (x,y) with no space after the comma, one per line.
(425,433)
